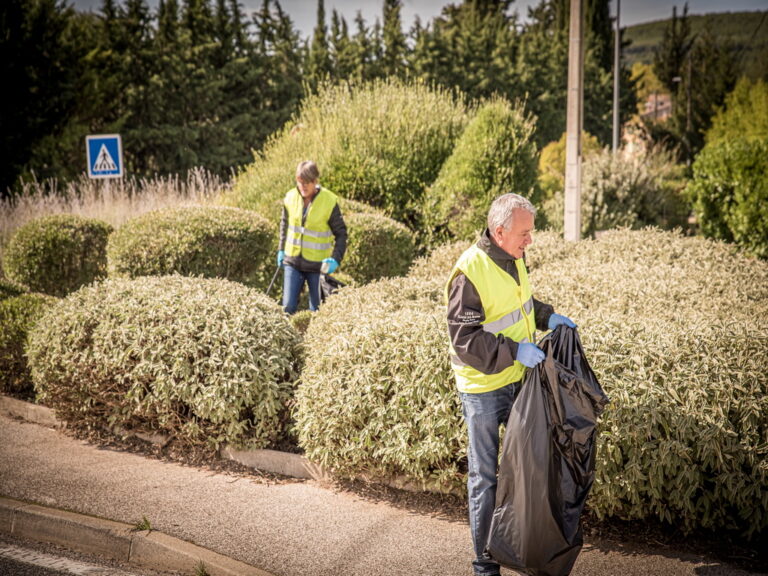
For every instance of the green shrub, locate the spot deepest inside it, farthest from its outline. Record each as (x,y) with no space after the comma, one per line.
(745,114)
(18,314)
(377,397)
(377,247)
(10,289)
(622,191)
(552,177)
(495,154)
(209,241)
(730,192)
(381,143)
(676,329)
(208,361)
(437,265)
(57,254)
(300,320)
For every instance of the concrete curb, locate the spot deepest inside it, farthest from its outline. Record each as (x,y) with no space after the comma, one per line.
(92,535)
(29,412)
(271,461)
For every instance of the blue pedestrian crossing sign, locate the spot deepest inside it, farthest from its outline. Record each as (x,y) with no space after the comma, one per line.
(105,156)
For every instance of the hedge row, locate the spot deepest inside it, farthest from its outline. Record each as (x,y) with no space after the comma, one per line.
(58,254)
(207,361)
(679,345)
(377,398)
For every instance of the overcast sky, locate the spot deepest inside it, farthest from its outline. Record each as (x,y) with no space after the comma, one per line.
(304,12)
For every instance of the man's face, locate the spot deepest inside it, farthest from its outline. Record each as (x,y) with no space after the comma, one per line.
(306,189)
(517,237)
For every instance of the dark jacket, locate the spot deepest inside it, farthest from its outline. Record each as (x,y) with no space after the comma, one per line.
(484,351)
(338,228)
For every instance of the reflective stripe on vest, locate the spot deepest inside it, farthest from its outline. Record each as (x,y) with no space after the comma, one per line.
(312,238)
(508,309)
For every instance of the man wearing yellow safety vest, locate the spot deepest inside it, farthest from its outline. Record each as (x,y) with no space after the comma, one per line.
(492,320)
(313,237)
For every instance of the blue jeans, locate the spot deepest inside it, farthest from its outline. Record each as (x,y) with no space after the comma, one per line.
(293,282)
(484,413)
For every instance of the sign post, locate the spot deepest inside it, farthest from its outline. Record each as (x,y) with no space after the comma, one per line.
(105,156)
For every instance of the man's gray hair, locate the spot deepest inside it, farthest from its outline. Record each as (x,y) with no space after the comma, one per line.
(501,211)
(307,171)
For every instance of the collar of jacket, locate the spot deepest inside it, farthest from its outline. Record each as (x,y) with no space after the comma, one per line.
(499,257)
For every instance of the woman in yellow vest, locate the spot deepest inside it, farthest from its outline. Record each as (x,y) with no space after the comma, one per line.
(313,237)
(492,321)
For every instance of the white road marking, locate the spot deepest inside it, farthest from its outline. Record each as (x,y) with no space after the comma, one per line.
(43,560)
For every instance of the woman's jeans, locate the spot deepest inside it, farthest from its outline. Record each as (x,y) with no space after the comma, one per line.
(293,282)
(484,413)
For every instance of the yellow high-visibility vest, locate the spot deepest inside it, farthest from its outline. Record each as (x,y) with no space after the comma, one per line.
(312,239)
(508,310)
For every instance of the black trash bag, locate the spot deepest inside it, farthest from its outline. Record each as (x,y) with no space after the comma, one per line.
(328,285)
(547,462)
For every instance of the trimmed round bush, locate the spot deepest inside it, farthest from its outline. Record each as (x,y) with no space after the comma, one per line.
(377,247)
(207,361)
(57,254)
(18,314)
(381,143)
(208,241)
(496,154)
(377,398)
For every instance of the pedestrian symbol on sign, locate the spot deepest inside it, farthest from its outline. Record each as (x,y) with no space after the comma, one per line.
(104,162)
(105,156)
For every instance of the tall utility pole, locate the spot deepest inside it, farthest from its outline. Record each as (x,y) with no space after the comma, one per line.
(616,71)
(572,220)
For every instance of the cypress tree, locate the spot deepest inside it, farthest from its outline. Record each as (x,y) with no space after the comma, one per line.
(319,65)
(395,47)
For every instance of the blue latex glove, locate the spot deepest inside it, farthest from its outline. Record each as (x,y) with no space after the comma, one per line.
(329,265)
(529,355)
(556,319)
(280,257)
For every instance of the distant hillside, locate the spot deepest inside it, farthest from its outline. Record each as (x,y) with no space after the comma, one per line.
(747,32)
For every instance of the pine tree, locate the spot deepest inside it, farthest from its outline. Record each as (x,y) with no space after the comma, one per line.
(319,65)
(363,51)
(40,55)
(343,52)
(395,47)
(671,54)
(472,47)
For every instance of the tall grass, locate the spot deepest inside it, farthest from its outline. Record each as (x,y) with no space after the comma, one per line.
(113,201)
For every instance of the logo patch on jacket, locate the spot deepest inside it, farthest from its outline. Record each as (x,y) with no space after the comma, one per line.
(469,316)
